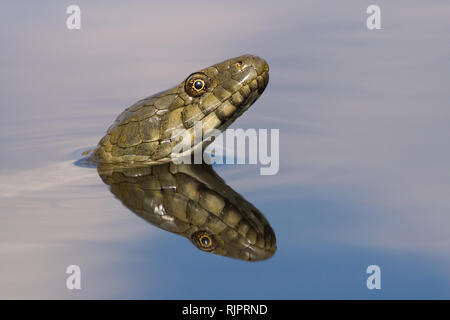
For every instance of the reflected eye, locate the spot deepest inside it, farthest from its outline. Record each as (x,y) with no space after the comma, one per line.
(197,84)
(203,240)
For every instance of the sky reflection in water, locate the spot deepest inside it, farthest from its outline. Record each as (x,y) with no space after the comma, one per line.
(363,118)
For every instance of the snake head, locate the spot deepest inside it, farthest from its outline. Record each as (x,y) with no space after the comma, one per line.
(251,243)
(212,98)
(225,90)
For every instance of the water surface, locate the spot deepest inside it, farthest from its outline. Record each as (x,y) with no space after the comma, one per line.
(364,158)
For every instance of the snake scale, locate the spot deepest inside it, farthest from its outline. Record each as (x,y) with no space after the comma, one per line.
(134,159)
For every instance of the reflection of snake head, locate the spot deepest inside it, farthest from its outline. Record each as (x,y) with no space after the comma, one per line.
(193,201)
(213,97)
(233,244)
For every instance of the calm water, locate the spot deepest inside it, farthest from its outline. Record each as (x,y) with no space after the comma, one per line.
(364,148)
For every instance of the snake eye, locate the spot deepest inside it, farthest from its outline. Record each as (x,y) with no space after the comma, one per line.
(203,240)
(197,84)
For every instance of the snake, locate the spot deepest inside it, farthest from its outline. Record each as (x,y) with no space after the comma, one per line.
(211,98)
(191,200)
(135,158)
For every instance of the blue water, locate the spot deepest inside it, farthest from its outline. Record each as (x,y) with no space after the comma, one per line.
(364,158)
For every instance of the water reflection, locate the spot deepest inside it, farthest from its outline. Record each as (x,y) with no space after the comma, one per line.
(193,201)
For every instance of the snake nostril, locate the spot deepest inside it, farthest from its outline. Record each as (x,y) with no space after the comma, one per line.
(260,65)
(239,65)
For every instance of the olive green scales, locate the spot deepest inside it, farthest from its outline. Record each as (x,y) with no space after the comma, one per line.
(134,159)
